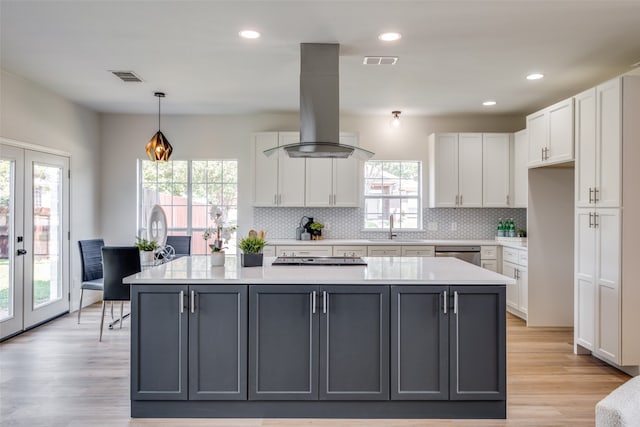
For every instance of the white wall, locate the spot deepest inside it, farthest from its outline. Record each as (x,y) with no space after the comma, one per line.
(32,114)
(123,137)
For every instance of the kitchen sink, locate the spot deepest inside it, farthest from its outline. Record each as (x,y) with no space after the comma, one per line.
(396,240)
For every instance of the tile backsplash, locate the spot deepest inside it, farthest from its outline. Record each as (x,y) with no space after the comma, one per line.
(347,223)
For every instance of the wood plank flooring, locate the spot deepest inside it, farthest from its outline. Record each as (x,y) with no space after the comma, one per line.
(59,375)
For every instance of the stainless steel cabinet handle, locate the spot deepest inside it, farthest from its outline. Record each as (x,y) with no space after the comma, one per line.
(457,196)
(313,302)
(455,302)
(590,194)
(507,199)
(181,301)
(595,220)
(541,153)
(590,220)
(324,302)
(461,200)
(444,302)
(193,301)
(595,195)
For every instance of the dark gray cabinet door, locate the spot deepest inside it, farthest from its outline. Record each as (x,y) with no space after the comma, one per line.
(419,343)
(354,343)
(218,342)
(477,343)
(159,340)
(283,343)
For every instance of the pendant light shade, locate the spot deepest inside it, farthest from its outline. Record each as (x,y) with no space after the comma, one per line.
(158,148)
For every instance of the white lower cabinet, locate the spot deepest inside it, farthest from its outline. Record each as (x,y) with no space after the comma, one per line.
(384,251)
(347,250)
(490,264)
(597,281)
(419,251)
(295,250)
(514,264)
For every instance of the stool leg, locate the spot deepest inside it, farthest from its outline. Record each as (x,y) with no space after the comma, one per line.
(80,307)
(102,319)
(121,311)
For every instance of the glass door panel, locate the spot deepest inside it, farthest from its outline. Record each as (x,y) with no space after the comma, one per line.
(11,239)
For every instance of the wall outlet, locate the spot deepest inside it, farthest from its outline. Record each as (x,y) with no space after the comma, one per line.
(432,226)
(454,226)
(326,226)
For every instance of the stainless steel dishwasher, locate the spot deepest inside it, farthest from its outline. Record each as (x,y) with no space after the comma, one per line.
(466,253)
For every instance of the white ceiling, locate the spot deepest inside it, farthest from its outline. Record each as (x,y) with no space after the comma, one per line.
(453,55)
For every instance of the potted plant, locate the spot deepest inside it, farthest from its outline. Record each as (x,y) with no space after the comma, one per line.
(316,230)
(251,247)
(147,248)
(221,236)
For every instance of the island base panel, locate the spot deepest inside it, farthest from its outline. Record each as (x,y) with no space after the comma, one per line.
(324,409)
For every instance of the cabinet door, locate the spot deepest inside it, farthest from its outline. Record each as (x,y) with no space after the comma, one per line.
(495,170)
(477,342)
(523,288)
(319,182)
(607,279)
(419,343)
(291,174)
(444,171)
(347,177)
(513,293)
(159,341)
(283,343)
(584,285)
(218,342)
(537,133)
(265,189)
(520,170)
(354,332)
(585,167)
(347,251)
(420,251)
(375,251)
(609,140)
(560,132)
(470,170)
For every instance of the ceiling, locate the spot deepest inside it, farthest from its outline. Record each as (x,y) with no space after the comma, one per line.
(453,54)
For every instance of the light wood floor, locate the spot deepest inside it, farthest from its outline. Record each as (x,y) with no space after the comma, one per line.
(59,375)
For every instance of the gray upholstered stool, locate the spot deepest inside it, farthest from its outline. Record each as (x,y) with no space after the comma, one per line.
(621,408)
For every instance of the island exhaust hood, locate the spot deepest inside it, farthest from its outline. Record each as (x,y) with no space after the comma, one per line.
(320,107)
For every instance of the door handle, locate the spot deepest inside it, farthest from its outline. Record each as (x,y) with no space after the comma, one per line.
(595,220)
(444,302)
(541,153)
(324,302)
(181,302)
(455,302)
(21,252)
(590,220)
(313,302)
(590,194)
(193,301)
(595,195)
(457,198)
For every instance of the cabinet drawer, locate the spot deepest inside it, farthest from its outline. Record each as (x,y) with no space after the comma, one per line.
(303,251)
(384,251)
(489,252)
(490,265)
(350,251)
(510,255)
(269,251)
(418,251)
(524,258)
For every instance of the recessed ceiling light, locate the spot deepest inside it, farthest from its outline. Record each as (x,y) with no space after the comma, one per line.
(390,37)
(489,103)
(249,34)
(535,76)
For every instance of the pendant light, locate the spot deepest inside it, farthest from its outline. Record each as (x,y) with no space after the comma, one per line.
(396,118)
(158,148)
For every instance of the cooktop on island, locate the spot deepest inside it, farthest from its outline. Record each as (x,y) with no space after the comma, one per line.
(326,260)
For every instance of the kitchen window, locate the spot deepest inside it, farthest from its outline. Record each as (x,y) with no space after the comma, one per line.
(190,192)
(392,188)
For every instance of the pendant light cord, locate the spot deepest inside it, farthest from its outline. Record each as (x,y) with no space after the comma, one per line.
(159,113)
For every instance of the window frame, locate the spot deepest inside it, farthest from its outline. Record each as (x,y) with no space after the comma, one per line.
(418,197)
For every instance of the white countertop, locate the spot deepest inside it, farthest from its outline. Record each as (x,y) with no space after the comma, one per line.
(384,270)
(392,242)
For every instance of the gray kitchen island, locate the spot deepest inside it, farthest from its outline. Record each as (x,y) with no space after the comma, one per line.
(397,338)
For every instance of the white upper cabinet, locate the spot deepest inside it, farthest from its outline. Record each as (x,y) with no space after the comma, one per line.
(455,172)
(496,170)
(520,171)
(334,182)
(599,146)
(550,133)
(278,179)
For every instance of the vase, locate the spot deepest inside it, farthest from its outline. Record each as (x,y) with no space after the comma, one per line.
(217,259)
(251,260)
(146,258)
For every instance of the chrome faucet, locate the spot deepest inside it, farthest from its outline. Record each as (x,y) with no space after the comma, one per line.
(391,233)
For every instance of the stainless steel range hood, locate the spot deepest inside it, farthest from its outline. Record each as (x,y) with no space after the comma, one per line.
(320,106)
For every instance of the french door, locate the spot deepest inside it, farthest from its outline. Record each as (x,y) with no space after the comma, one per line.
(34,242)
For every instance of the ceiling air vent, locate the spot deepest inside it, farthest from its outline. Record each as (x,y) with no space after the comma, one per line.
(380,60)
(127,76)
